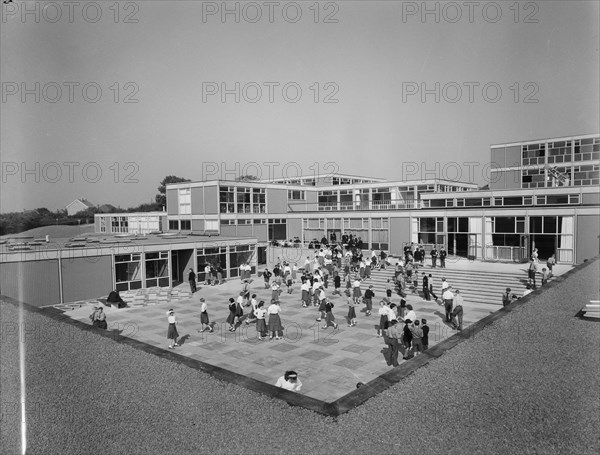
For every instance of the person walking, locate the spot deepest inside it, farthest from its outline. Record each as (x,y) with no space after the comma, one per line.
(369,294)
(329,317)
(204,321)
(430,281)
(172,333)
(305,290)
(192,280)
(425,281)
(356,292)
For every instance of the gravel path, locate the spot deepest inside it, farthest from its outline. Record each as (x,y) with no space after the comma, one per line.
(526,384)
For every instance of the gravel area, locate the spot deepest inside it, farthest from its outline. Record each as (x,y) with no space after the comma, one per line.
(526,384)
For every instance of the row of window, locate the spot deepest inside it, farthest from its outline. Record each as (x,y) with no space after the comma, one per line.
(504,201)
(496,224)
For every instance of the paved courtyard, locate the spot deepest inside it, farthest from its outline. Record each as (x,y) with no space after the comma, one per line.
(330,361)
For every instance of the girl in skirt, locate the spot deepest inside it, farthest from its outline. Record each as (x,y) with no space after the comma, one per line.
(288,283)
(275,326)
(329,317)
(172,334)
(261,324)
(231,318)
(351,311)
(275,291)
(204,317)
(322,302)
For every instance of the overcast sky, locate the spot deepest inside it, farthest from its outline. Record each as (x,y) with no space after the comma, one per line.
(334,82)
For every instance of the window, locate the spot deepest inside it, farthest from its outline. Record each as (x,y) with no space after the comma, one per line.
(157,269)
(173,225)
(259,200)
(102,224)
(327,200)
(185,225)
(296,195)
(277,229)
(128,272)
(226,199)
(185,201)
(244,200)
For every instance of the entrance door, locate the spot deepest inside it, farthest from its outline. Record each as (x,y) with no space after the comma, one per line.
(175,275)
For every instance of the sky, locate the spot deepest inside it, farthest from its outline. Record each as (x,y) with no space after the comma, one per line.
(104,99)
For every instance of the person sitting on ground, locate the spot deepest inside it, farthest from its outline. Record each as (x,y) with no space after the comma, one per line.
(98,318)
(115,299)
(289,381)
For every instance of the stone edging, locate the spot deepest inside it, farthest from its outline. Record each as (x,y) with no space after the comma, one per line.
(333,409)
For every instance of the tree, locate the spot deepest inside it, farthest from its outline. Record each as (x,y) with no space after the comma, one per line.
(161,197)
(247,178)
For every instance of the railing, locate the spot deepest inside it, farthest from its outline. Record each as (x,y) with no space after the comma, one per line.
(505,253)
(399,204)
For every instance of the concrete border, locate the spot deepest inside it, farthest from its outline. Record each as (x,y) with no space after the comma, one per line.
(335,408)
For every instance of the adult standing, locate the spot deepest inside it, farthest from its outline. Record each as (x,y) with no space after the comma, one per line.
(434,255)
(192,280)
(442,255)
(394,337)
(172,333)
(207,274)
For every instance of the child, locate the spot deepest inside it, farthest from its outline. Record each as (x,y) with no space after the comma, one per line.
(261,324)
(383,318)
(252,316)
(425,337)
(544,276)
(232,310)
(329,318)
(388,289)
(204,317)
(351,311)
(305,288)
(322,303)
(288,283)
(337,283)
(267,278)
(369,294)
(356,292)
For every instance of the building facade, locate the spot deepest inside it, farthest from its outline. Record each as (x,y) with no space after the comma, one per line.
(543,194)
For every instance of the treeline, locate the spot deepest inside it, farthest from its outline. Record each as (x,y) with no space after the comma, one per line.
(16,222)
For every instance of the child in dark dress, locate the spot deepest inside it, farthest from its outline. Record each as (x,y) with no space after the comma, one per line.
(232,311)
(425,337)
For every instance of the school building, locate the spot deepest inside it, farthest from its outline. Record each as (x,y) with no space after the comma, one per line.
(542,194)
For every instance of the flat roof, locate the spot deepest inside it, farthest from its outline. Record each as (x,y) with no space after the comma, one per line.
(27,248)
(549,139)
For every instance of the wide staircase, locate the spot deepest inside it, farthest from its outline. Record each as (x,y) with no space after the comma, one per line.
(476,286)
